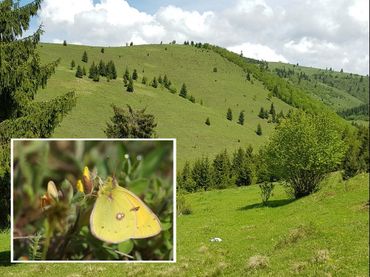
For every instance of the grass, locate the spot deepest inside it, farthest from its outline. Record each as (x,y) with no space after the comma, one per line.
(176,117)
(338,90)
(325,234)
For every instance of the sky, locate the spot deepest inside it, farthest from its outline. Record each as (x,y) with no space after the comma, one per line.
(317,33)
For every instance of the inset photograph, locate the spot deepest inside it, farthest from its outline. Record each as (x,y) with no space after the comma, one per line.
(93,200)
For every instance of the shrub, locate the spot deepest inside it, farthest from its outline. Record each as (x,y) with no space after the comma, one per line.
(183,206)
(266,191)
(208,122)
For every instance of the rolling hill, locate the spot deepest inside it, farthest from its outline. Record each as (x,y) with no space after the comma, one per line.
(177,117)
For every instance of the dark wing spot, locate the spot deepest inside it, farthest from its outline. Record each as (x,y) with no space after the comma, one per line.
(102,227)
(135,209)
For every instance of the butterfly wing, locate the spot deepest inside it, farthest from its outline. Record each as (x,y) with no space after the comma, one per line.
(111,220)
(147,223)
(120,216)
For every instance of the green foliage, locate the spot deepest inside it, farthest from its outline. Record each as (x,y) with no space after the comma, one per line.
(303,150)
(221,170)
(79,73)
(266,191)
(144,80)
(242,166)
(202,174)
(130,124)
(102,69)
(259,130)
(208,122)
(134,75)
(263,114)
(215,69)
(229,114)
(126,75)
(154,83)
(183,91)
(102,50)
(130,86)
(185,180)
(111,70)
(73,64)
(84,57)
(60,230)
(64,43)
(183,207)
(21,76)
(241,118)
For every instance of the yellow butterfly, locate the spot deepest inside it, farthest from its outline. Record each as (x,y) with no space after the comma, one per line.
(119,215)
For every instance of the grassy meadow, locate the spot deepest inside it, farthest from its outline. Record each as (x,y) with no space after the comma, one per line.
(325,234)
(176,117)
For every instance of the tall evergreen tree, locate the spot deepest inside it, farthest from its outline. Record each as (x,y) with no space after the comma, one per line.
(126,75)
(221,171)
(134,75)
(183,91)
(241,118)
(208,122)
(202,174)
(73,64)
(79,73)
(229,114)
(102,68)
(242,167)
(259,130)
(102,50)
(21,75)
(130,86)
(64,43)
(186,181)
(111,70)
(154,83)
(84,57)
(93,71)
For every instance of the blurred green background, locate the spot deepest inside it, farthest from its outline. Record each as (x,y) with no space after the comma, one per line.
(62,232)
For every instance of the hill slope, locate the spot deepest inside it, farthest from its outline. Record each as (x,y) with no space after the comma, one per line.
(176,117)
(338,90)
(325,234)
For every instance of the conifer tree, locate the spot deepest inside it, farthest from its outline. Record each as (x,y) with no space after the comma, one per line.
(208,122)
(21,75)
(186,181)
(273,113)
(154,83)
(241,118)
(229,114)
(126,75)
(183,91)
(242,167)
(102,69)
(84,57)
(259,130)
(130,86)
(221,171)
(202,174)
(160,80)
(102,50)
(111,70)
(84,71)
(134,75)
(92,71)
(73,64)
(64,43)
(79,73)
(144,80)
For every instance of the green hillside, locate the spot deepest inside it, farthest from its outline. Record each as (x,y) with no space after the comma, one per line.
(176,117)
(338,90)
(325,234)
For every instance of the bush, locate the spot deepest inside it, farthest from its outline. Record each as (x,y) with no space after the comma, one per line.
(183,206)
(266,191)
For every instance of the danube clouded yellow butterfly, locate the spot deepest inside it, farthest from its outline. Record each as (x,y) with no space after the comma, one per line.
(119,215)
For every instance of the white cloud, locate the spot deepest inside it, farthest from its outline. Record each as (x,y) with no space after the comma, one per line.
(330,33)
(258,51)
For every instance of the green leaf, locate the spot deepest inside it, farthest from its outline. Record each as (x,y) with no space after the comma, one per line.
(126,246)
(152,161)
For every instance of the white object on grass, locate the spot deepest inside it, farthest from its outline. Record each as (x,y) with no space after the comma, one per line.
(215,239)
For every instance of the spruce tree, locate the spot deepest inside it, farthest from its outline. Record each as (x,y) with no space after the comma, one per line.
(242,167)
(221,171)
(79,73)
(102,69)
(92,71)
(183,91)
(73,64)
(134,75)
(186,181)
(202,174)
(102,50)
(21,75)
(111,70)
(229,114)
(84,57)
(261,113)
(154,83)
(144,80)
(241,118)
(259,130)
(64,43)
(273,113)
(160,80)
(208,122)
(126,75)
(130,86)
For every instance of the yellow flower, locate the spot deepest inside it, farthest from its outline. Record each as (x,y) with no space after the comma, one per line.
(79,186)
